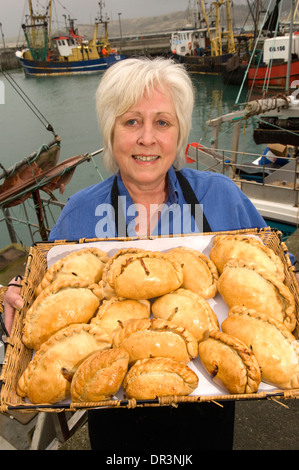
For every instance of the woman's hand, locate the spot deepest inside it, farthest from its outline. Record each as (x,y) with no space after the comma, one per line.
(12,301)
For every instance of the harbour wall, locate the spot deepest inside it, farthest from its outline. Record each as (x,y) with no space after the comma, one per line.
(8,60)
(147,44)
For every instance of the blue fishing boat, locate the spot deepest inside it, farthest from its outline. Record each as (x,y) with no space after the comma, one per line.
(64,54)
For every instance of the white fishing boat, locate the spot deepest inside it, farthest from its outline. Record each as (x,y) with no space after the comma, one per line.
(204,46)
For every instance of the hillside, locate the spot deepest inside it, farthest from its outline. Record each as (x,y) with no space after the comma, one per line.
(131,26)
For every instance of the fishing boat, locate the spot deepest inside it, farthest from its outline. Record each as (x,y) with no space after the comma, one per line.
(279,56)
(202,49)
(262,56)
(276,50)
(64,54)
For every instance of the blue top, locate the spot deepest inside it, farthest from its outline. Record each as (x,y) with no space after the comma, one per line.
(89,214)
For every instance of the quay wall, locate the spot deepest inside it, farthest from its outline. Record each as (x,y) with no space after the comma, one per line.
(8,60)
(153,45)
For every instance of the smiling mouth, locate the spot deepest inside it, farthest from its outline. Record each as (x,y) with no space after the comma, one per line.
(145,158)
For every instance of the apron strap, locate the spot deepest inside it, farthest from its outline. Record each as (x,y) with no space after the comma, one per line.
(191,199)
(120,221)
(188,193)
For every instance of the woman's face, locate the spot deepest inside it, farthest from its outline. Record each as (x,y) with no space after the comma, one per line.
(145,140)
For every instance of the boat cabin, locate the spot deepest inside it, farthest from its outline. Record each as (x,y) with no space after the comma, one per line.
(65,45)
(190,42)
(278,48)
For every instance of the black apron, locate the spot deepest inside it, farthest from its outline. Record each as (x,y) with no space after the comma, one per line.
(196,426)
(188,193)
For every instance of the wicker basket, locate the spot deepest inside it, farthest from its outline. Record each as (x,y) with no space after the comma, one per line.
(18,355)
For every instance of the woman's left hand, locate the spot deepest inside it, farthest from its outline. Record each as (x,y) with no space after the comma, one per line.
(12,301)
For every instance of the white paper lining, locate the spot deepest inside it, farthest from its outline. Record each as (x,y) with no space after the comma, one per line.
(202,243)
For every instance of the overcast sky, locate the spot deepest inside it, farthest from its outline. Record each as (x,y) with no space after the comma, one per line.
(12,11)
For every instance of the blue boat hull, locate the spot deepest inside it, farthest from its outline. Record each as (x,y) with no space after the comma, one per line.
(45,68)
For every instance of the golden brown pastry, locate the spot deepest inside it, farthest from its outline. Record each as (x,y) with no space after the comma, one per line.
(187,309)
(274,347)
(248,248)
(159,377)
(230,362)
(115,312)
(62,303)
(100,376)
(251,286)
(113,265)
(143,275)
(200,273)
(47,379)
(86,264)
(156,338)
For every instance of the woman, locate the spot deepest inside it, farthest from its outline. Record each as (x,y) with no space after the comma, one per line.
(144,111)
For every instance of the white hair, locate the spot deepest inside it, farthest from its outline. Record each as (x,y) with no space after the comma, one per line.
(123,85)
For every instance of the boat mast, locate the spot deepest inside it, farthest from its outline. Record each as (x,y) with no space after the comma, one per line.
(38,32)
(229,33)
(217,39)
(98,21)
(213,50)
(257,19)
(39,18)
(50,23)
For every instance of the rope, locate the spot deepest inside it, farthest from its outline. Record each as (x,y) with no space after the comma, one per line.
(269,66)
(28,101)
(252,55)
(97,168)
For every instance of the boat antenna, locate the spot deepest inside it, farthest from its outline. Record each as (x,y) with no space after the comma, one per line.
(28,101)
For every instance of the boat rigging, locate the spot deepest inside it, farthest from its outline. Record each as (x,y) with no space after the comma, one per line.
(64,54)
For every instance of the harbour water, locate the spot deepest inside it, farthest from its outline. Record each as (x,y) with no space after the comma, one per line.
(68,104)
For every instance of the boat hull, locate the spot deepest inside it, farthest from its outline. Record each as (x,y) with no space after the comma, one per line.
(235,76)
(203,64)
(258,75)
(55,68)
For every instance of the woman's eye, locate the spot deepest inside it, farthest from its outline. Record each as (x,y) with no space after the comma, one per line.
(162,123)
(131,122)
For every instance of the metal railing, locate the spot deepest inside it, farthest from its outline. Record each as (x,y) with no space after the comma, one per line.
(240,167)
